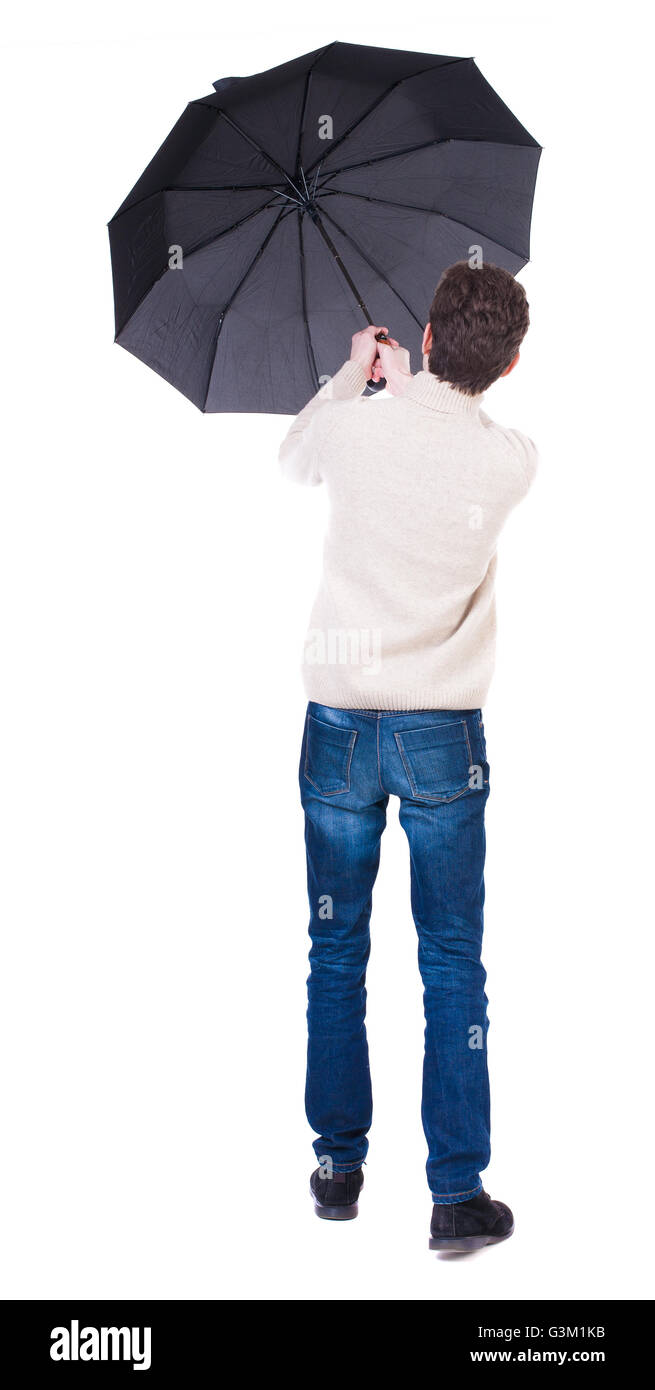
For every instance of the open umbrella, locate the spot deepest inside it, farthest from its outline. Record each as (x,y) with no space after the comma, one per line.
(285,204)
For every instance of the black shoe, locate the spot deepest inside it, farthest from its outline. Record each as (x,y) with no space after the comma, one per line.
(335,1198)
(470,1225)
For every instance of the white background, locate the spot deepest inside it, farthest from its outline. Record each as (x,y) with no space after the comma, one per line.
(156,580)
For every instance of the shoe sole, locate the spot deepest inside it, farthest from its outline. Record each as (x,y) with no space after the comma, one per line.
(464,1244)
(334,1213)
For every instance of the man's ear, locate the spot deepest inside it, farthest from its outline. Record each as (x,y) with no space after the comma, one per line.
(427,339)
(511,365)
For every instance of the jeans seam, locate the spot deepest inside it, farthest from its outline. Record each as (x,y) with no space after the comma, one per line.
(439,1196)
(377,742)
(410,779)
(468,743)
(358,1163)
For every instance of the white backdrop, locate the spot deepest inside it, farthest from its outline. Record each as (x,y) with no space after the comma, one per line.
(156,579)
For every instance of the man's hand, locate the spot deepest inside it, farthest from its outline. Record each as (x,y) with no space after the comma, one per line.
(394,365)
(365,351)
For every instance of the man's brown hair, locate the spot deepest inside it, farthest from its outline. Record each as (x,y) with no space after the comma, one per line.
(479,319)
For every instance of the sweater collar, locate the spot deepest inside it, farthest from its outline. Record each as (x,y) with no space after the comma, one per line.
(427,389)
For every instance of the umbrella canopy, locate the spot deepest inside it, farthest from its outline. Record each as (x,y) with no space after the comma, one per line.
(287,208)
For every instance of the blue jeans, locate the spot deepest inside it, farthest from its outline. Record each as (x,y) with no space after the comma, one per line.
(352,760)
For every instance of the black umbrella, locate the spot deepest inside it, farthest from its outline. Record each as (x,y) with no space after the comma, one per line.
(290,208)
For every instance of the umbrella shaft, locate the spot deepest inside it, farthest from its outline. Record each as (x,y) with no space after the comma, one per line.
(348,278)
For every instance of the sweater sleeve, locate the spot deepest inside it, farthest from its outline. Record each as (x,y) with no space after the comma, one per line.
(527,455)
(522,447)
(300,451)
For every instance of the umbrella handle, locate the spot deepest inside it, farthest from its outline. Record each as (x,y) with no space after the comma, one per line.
(374,386)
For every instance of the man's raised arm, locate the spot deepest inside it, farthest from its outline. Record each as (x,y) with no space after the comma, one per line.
(300,450)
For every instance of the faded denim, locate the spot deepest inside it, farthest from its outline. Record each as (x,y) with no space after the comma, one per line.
(435,761)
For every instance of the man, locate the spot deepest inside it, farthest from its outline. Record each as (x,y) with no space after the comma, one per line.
(397,665)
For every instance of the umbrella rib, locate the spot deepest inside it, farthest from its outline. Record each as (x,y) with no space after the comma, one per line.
(303,285)
(230,301)
(432,67)
(393,154)
(209,241)
(304,104)
(289,198)
(215,187)
(194,188)
(374,267)
(260,149)
(425,145)
(200,247)
(414,207)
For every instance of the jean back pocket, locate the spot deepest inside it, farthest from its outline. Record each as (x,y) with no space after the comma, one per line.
(328,755)
(437,760)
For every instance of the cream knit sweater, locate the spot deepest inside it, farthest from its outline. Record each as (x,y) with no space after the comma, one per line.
(419,487)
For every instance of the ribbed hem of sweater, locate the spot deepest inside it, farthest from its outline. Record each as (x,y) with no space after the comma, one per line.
(414,698)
